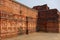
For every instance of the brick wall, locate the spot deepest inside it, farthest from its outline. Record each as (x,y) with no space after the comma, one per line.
(47,19)
(42,7)
(59,21)
(52,21)
(13,18)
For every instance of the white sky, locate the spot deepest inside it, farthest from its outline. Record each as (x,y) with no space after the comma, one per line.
(51,3)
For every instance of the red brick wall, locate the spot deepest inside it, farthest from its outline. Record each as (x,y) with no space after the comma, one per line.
(48,20)
(13,18)
(42,7)
(59,21)
(52,26)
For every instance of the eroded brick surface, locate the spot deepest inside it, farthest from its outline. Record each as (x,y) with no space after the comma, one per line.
(13,18)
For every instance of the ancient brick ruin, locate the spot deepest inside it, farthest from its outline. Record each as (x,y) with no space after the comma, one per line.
(17,19)
(48,19)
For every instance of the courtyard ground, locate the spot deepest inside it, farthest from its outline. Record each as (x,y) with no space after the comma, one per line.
(37,36)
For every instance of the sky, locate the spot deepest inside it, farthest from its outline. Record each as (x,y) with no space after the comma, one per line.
(51,3)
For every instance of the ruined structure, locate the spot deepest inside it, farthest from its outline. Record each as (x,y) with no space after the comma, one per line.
(16,19)
(48,19)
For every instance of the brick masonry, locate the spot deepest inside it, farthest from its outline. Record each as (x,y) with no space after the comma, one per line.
(48,19)
(17,19)
(13,18)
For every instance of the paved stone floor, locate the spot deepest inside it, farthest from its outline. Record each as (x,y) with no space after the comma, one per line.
(38,36)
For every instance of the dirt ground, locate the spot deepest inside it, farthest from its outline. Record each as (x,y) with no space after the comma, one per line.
(37,36)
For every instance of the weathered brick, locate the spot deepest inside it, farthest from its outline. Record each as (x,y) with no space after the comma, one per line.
(13,18)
